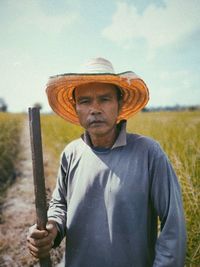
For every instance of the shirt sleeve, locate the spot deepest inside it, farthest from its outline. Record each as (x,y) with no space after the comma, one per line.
(58,205)
(166,196)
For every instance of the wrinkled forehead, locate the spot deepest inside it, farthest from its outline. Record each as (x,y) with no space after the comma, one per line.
(95,89)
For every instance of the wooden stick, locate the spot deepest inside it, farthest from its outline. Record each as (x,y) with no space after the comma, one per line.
(38,175)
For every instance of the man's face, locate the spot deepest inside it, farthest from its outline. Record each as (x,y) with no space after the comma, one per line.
(97,108)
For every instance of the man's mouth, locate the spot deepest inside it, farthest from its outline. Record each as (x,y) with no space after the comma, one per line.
(96,123)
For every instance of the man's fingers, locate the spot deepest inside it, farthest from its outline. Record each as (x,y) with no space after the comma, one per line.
(39,252)
(35,233)
(32,248)
(40,242)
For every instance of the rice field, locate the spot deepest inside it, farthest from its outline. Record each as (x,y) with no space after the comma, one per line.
(57,133)
(179,135)
(177,132)
(10,128)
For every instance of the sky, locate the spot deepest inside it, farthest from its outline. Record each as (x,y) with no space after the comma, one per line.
(157,39)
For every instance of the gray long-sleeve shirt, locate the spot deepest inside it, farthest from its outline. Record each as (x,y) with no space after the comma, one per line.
(107,204)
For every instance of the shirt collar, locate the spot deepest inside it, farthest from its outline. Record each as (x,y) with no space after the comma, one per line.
(120,141)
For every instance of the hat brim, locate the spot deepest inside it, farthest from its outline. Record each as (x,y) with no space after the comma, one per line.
(60,92)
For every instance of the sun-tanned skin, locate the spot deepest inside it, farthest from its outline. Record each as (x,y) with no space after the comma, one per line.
(97,106)
(40,242)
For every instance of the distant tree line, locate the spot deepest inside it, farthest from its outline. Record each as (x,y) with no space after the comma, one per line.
(172,108)
(3,105)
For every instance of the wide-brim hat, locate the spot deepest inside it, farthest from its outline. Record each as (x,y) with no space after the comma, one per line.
(60,89)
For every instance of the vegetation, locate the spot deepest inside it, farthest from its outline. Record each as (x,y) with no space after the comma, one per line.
(3,105)
(177,132)
(10,127)
(57,133)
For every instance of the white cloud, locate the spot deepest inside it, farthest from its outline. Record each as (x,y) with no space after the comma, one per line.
(31,14)
(158,26)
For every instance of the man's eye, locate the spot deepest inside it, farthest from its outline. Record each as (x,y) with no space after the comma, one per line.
(84,101)
(105,99)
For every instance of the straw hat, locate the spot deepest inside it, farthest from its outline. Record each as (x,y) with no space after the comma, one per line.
(60,89)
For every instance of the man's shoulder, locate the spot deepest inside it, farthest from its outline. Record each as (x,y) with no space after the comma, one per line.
(143,142)
(74,145)
(141,139)
(72,151)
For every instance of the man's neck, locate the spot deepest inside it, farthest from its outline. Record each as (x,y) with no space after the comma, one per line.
(105,141)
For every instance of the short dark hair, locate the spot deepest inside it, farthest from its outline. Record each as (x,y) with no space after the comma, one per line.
(119,93)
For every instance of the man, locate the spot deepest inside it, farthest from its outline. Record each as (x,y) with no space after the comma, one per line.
(112,186)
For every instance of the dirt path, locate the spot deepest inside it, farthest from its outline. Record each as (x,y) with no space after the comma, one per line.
(18,211)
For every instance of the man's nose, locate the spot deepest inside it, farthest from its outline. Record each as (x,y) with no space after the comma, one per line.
(95,108)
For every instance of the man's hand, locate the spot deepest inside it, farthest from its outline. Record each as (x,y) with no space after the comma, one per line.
(40,242)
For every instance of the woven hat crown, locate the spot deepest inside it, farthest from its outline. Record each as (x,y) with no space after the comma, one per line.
(98,65)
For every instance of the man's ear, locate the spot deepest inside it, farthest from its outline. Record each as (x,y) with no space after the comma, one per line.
(74,104)
(74,99)
(120,104)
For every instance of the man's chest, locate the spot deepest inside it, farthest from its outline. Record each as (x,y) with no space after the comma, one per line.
(113,183)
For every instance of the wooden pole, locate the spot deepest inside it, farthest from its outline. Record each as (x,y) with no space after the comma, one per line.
(38,175)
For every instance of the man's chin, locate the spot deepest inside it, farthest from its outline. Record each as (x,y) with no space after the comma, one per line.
(97,130)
